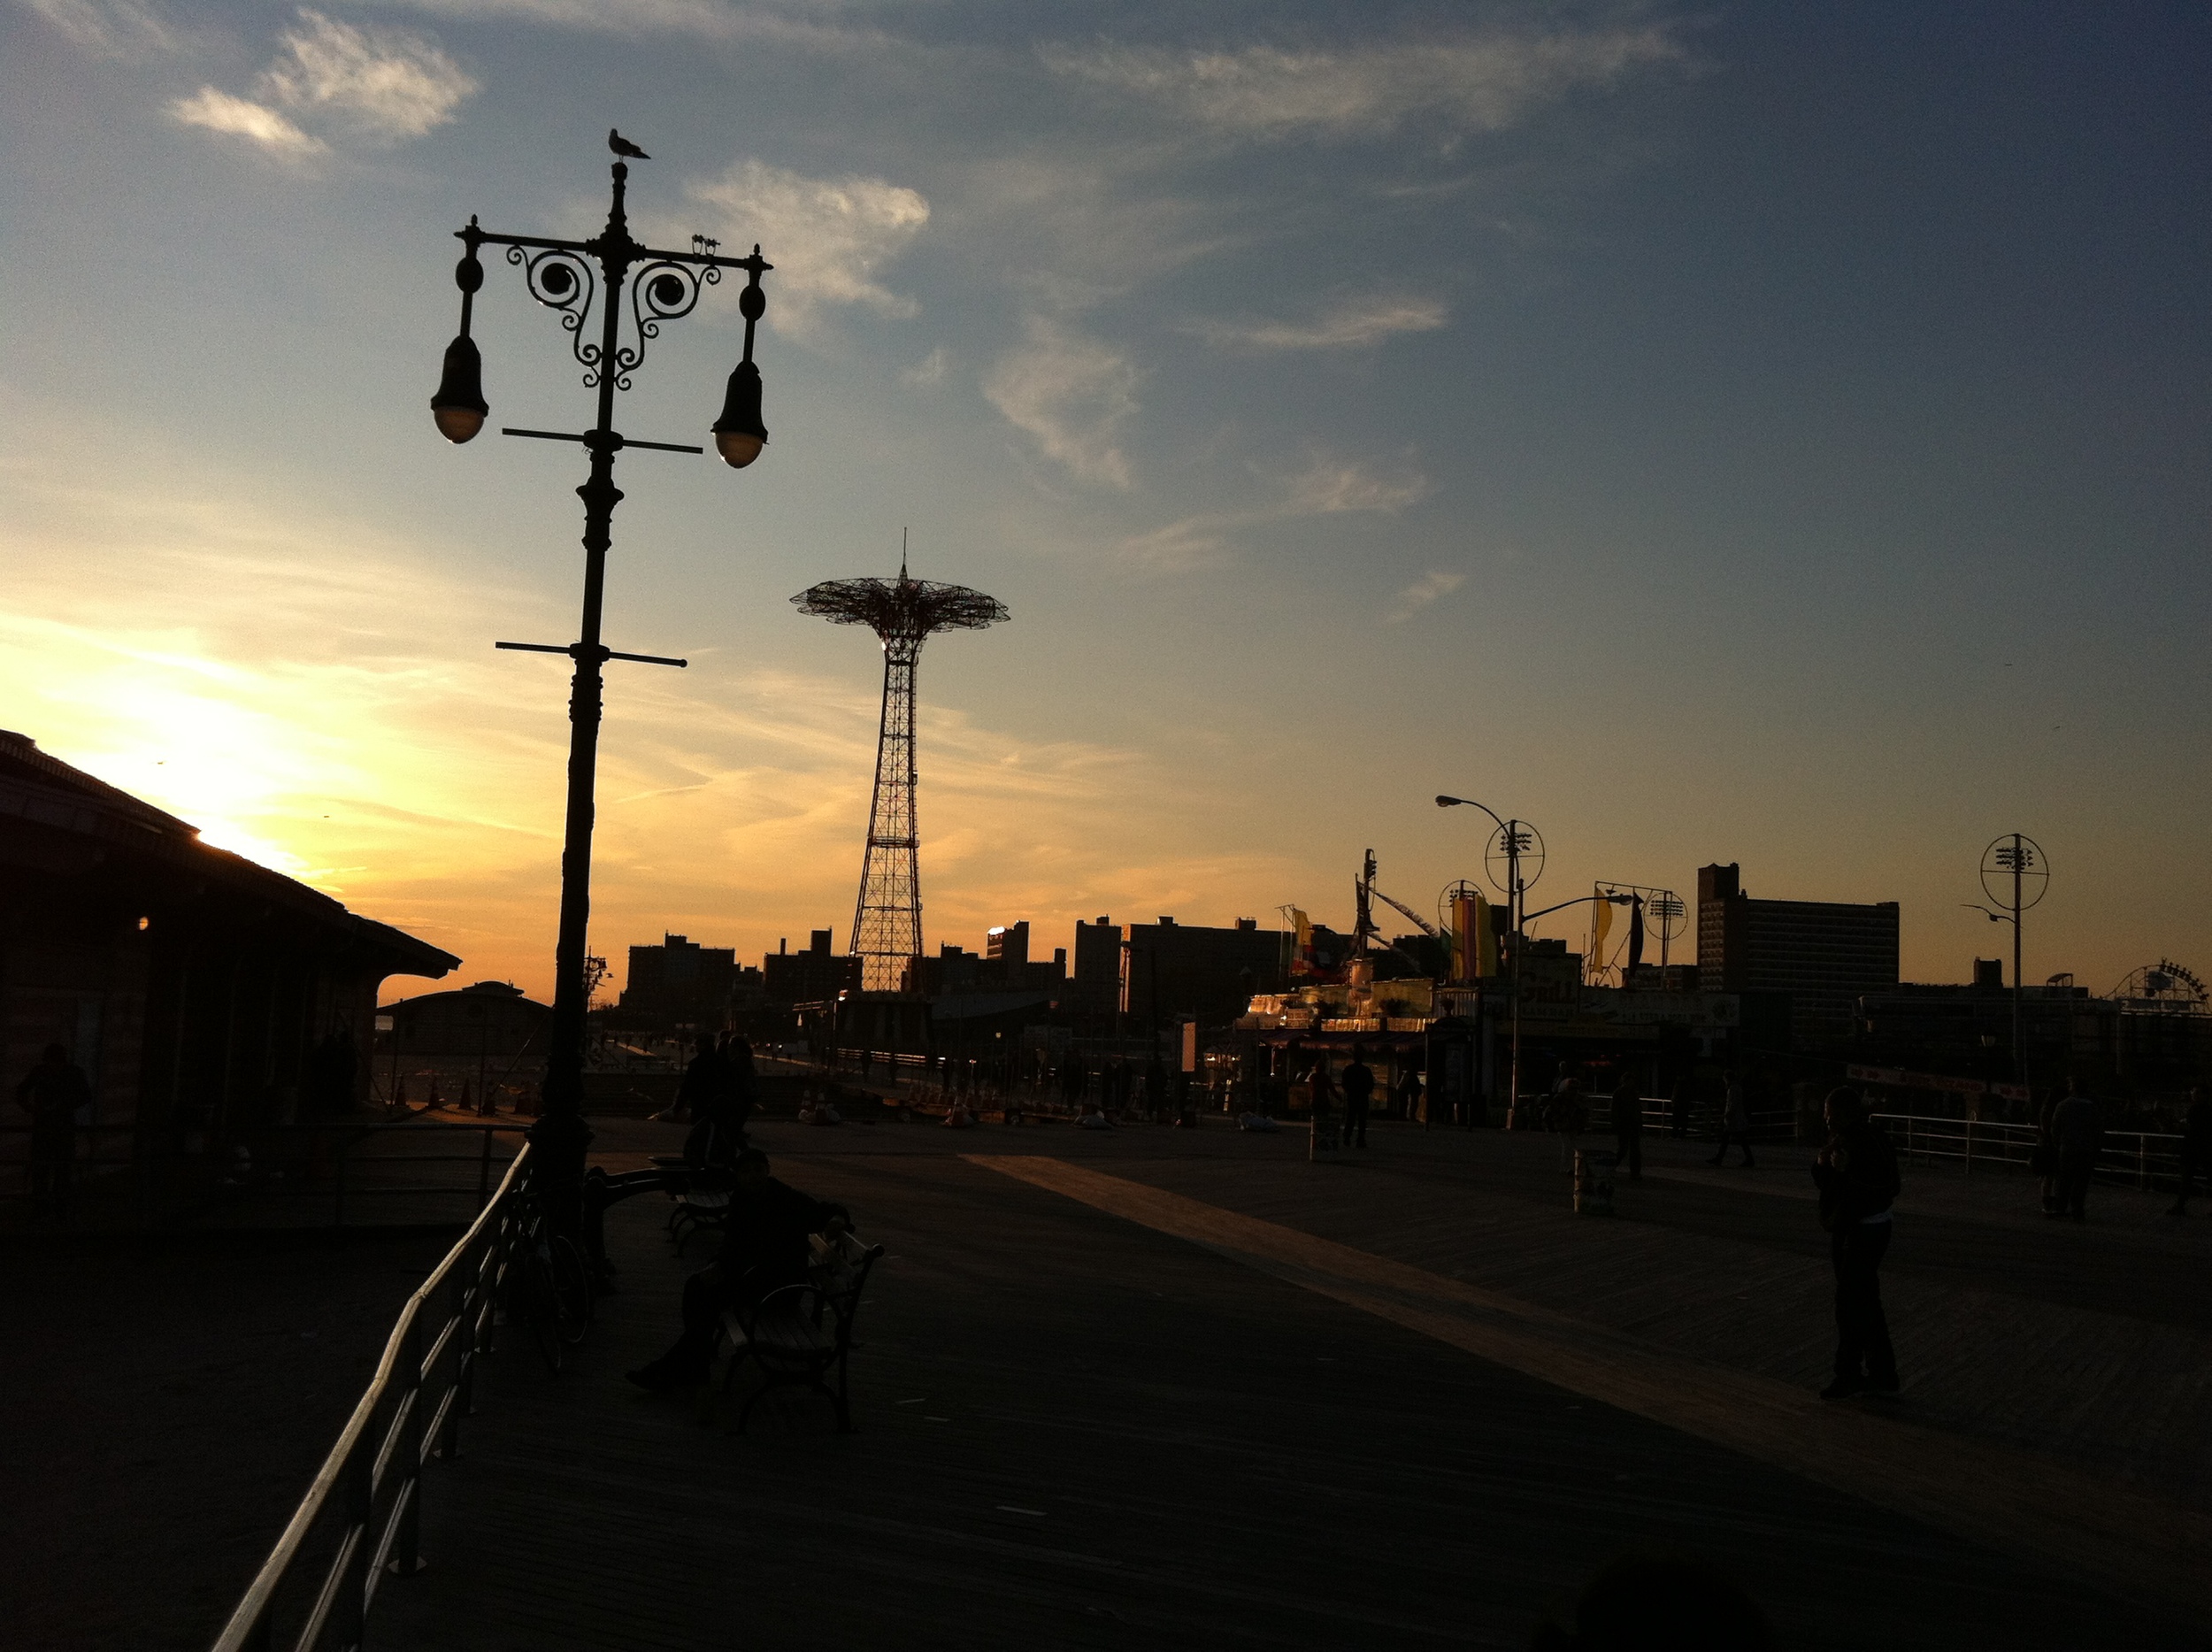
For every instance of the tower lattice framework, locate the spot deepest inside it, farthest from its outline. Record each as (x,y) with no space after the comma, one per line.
(903,613)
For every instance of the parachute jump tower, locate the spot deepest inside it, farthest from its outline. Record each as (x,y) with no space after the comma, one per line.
(904,612)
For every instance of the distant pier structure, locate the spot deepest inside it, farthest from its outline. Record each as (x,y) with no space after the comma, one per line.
(904,612)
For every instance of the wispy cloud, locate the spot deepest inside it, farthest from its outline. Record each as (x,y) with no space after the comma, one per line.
(930,370)
(1481,82)
(1421,593)
(798,23)
(1071,395)
(1352,326)
(1331,486)
(377,85)
(1324,486)
(829,237)
(110,28)
(242,117)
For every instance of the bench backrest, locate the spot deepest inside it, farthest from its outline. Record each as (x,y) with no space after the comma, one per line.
(840,1268)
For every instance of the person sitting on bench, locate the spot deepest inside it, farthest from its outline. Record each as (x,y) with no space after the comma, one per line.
(763,1249)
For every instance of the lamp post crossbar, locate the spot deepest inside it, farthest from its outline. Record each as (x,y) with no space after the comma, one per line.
(573,278)
(614,437)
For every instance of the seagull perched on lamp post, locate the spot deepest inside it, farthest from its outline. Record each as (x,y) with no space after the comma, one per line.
(622,146)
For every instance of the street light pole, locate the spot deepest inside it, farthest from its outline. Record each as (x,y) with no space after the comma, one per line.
(2018,860)
(2019,1042)
(1513,837)
(661,287)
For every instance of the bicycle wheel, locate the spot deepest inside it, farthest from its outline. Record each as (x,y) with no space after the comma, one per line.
(538,1302)
(571,1282)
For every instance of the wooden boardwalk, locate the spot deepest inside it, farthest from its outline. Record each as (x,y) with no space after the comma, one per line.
(1081,1428)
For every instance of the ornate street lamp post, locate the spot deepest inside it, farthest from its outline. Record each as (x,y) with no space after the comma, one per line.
(570,277)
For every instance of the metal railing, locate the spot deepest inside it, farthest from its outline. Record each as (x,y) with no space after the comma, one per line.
(2140,1158)
(369,1486)
(1702,1119)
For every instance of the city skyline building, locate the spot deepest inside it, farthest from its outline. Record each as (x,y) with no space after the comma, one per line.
(1825,955)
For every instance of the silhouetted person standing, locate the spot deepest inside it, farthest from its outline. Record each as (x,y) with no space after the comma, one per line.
(1324,1107)
(51,1093)
(2079,1129)
(1628,1126)
(1735,1123)
(1858,1178)
(2043,1156)
(703,1089)
(1155,1089)
(1357,1082)
(2196,1149)
(1678,1108)
(1409,1097)
(1568,1113)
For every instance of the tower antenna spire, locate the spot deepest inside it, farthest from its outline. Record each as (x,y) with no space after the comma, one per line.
(904,613)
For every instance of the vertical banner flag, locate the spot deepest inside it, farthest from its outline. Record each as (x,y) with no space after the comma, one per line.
(1474,938)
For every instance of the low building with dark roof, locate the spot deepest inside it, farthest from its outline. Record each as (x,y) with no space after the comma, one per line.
(202,994)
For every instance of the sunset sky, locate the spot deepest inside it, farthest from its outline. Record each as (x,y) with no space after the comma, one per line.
(1769,433)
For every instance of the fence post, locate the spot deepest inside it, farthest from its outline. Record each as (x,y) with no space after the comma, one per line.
(484,1172)
(352,1608)
(460,1336)
(1970,1147)
(406,1556)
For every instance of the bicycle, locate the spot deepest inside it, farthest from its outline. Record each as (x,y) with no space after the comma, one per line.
(548,1285)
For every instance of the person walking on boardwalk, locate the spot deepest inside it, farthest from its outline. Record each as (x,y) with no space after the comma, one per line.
(2196,1149)
(701,1089)
(1628,1125)
(1570,1112)
(1358,1083)
(2078,1128)
(1735,1123)
(1856,1173)
(51,1093)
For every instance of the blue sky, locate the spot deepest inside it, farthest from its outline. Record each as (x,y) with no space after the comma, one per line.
(1773,434)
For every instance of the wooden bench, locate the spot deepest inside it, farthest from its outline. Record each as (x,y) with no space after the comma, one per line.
(799,1335)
